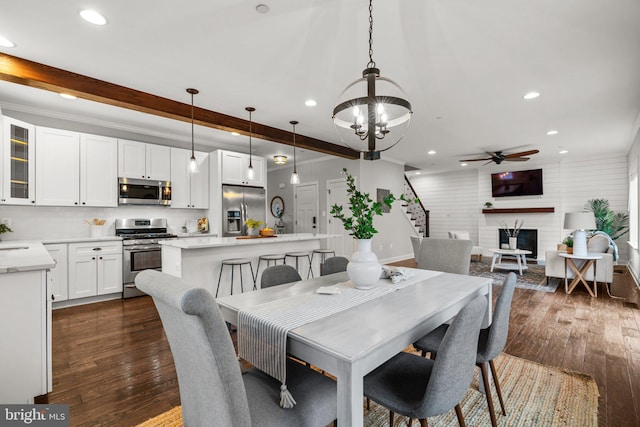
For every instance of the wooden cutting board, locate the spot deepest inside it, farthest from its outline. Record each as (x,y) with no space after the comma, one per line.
(254,237)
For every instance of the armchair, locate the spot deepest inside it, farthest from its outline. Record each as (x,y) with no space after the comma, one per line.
(464,235)
(555,266)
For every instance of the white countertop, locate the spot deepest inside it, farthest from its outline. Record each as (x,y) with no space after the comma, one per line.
(212,242)
(80,239)
(16,256)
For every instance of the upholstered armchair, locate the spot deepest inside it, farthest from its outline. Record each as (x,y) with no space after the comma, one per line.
(555,266)
(464,235)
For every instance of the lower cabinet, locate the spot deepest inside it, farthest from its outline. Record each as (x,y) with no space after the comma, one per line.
(94,269)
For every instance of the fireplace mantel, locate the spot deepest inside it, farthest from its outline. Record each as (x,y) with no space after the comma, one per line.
(517,210)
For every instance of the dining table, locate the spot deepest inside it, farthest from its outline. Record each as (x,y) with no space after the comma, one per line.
(349,344)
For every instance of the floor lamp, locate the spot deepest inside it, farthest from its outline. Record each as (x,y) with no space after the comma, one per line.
(579,221)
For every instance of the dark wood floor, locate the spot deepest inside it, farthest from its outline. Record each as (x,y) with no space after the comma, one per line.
(113,366)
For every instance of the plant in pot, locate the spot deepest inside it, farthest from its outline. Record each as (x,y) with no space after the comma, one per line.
(568,242)
(488,205)
(253,226)
(4,229)
(363,268)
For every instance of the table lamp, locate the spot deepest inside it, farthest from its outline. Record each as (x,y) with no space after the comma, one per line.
(579,221)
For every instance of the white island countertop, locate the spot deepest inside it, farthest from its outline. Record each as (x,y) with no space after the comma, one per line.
(17,256)
(214,242)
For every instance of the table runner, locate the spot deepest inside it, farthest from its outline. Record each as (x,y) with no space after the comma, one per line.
(263,329)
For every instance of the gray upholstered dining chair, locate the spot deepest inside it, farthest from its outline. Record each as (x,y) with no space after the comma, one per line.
(212,388)
(490,345)
(448,255)
(335,264)
(278,275)
(417,387)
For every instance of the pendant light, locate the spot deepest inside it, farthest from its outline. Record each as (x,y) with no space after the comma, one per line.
(372,114)
(193,164)
(295,178)
(251,173)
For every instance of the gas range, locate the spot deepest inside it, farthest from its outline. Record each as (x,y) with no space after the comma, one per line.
(141,231)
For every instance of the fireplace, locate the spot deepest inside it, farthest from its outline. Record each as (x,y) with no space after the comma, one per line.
(527,239)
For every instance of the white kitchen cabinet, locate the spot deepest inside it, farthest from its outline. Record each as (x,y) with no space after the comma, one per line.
(25,321)
(17,165)
(94,269)
(59,277)
(234,169)
(98,171)
(74,169)
(57,170)
(189,190)
(143,161)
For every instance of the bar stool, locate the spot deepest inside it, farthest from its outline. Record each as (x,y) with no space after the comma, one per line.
(323,256)
(233,262)
(297,256)
(269,258)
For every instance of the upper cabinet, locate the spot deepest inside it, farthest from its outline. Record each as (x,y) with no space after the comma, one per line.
(189,190)
(142,160)
(234,169)
(17,165)
(74,169)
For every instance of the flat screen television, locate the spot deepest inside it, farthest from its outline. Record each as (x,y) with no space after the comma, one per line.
(518,183)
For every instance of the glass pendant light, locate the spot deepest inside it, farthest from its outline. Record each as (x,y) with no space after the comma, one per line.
(193,164)
(295,178)
(251,173)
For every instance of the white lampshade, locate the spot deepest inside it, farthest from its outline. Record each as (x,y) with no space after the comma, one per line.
(579,221)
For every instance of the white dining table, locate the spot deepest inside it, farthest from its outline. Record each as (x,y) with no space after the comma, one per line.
(352,343)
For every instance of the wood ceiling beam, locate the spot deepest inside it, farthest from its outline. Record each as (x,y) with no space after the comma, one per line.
(29,73)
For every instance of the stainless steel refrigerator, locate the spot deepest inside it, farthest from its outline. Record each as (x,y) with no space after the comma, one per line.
(240,203)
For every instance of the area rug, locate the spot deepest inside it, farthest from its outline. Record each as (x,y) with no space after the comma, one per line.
(534,394)
(532,278)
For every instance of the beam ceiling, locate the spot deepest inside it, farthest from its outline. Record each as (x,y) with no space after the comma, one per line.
(29,73)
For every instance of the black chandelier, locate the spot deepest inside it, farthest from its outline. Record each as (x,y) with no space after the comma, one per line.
(380,118)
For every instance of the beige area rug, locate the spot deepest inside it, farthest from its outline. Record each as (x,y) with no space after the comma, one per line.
(535,395)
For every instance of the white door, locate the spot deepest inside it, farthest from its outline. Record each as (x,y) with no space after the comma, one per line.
(131,159)
(200,182)
(341,242)
(158,162)
(57,167)
(306,215)
(180,180)
(98,171)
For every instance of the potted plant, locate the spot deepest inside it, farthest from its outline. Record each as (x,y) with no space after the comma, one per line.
(488,205)
(4,229)
(568,242)
(253,226)
(615,224)
(363,268)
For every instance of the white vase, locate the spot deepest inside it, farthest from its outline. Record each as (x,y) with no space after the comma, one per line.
(252,231)
(513,243)
(364,269)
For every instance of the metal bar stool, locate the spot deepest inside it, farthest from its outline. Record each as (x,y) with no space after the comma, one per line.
(269,258)
(323,256)
(297,256)
(233,262)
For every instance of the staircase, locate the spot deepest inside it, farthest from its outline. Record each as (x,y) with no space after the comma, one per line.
(415,212)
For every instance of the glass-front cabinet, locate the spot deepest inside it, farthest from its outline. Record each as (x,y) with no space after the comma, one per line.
(17,167)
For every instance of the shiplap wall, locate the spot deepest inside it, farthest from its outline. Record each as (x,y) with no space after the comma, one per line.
(455,200)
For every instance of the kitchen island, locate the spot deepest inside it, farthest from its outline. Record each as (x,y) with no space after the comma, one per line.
(197,260)
(25,322)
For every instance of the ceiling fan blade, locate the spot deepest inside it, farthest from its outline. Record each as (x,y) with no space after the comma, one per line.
(517,159)
(476,160)
(489,162)
(521,154)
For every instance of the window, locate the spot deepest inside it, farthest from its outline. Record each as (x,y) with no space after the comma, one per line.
(633,205)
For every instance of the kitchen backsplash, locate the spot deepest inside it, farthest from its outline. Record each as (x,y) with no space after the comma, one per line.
(43,222)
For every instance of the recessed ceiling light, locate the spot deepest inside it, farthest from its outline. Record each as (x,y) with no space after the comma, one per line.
(93,17)
(262,8)
(552,132)
(310,103)
(563,151)
(235,134)
(531,95)
(431,152)
(68,96)
(418,173)
(463,164)
(4,42)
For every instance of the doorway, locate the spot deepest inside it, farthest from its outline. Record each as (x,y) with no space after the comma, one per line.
(306,208)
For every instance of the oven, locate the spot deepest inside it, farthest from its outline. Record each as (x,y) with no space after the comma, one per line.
(141,249)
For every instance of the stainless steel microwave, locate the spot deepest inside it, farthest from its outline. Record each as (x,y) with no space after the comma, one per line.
(143,192)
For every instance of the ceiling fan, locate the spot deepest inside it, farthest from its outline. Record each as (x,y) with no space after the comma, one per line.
(499,156)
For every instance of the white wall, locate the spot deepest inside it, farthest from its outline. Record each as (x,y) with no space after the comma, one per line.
(46,222)
(634,252)
(455,199)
